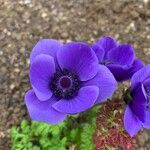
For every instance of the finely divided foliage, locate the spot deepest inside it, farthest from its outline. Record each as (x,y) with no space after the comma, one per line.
(72,133)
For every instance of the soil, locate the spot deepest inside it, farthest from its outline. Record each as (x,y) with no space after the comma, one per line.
(24,22)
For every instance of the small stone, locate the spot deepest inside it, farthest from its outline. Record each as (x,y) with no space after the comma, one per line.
(12,86)
(1,52)
(64,34)
(146,1)
(22,50)
(44,15)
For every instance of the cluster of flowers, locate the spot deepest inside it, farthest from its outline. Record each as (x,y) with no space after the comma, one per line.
(70,78)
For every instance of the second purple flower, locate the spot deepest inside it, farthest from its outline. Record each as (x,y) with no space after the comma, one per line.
(119,58)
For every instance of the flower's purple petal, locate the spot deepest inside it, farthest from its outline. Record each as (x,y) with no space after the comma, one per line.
(138,102)
(79,58)
(120,72)
(140,76)
(85,99)
(137,65)
(41,71)
(146,91)
(106,83)
(123,72)
(146,123)
(45,46)
(131,123)
(146,84)
(107,43)
(99,51)
(122,55)
(42,111)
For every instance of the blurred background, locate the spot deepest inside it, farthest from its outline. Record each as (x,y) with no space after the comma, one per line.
(24,22)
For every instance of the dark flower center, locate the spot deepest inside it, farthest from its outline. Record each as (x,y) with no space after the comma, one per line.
(65,84)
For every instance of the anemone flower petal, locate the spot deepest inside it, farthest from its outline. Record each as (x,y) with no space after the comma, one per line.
(106,83)
(41,71)
(124,72)
(85,99)
(79,58)
(138,102)
(146,123)
(42,111)
(146,91)
(122,55)
(131,123)
(140,76)
(45,46)
(107,43)
(146,83)
(99,51)
(121,73)
(137,65)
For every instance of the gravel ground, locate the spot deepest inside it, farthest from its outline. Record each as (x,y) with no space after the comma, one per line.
(24,22)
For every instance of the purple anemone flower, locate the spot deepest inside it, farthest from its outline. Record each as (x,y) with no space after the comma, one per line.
(137,113)
(66,79)
(119,58)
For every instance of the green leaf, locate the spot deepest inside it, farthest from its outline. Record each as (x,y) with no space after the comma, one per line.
(76,130)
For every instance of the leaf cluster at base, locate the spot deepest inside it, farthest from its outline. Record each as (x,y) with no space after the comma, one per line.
(74,133)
